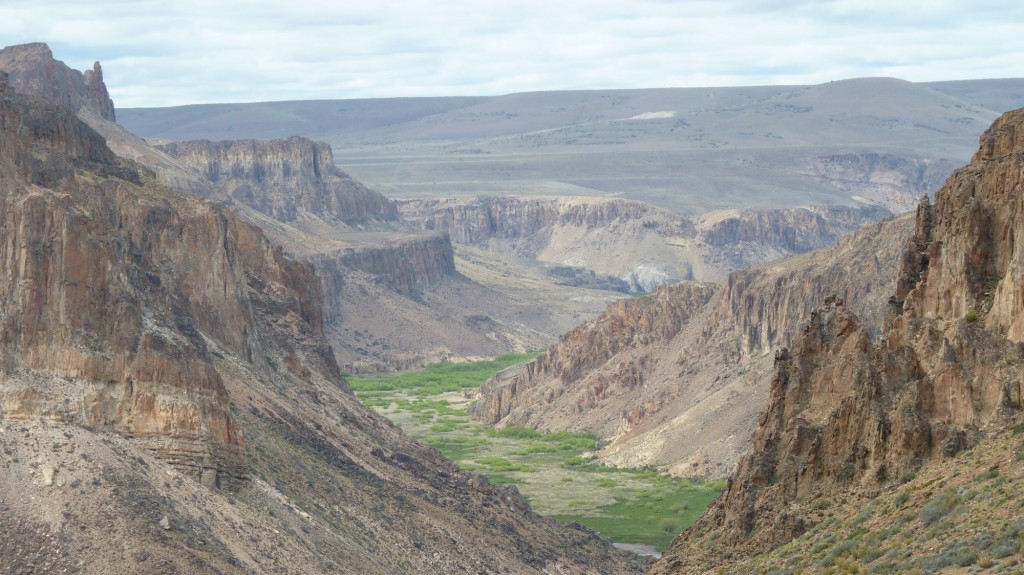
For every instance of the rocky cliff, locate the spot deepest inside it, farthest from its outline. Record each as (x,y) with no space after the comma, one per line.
(112,282)
(476,220)
(287,180)
(32,69)
(644,246)
(152,343)
(674,379)
(404,263)
(851,414)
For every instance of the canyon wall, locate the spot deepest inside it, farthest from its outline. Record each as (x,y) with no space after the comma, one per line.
(151,344)
(642,245)
(115,284)
(885,179)
(682,390)
(850,413)
(285,179)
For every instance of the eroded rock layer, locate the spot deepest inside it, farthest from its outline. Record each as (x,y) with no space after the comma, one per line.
(155,347)
(643,245)
(676,379)
(849,413)
(33,70)
(285,179)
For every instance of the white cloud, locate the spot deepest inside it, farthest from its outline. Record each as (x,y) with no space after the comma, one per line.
(165,53)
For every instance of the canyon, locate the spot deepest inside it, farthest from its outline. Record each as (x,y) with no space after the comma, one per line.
(177,317)
(675,379)
(855,413)
(170,402)
(644,246)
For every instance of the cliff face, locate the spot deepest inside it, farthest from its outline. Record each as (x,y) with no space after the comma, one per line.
(848,415)
(790,231)
(287,180)
(675,380)
(33,70)
(112,283)
(644,246)
(476,221)
(150,343)
(405,263)
(626,323)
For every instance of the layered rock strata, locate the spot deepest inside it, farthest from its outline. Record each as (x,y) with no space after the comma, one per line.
(849,413)
(644,246)
(675,380)
(150,341)
(288,180)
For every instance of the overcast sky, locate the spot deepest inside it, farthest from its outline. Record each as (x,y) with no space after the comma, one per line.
(162,53)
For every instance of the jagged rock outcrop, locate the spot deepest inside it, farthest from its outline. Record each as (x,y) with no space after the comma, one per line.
(646,247)
(626,323)
(687,397)
(151,342)
(101,284)
(851,414)
(32,69)
(287,180)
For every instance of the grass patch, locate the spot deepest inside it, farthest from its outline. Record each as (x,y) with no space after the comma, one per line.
(654,515)
(500,464)
(549,468)
(438,378)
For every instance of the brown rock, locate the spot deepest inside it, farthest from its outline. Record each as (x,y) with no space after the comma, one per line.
(135,320)
(285,179)
(33,70)
(670,378)
(847,413)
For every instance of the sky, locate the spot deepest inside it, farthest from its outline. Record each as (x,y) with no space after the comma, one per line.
(166,53)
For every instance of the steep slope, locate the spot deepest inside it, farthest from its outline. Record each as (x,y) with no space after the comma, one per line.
(393,298)
(152,344)
(849,414)
(289,180)
(32,69)
(676,379)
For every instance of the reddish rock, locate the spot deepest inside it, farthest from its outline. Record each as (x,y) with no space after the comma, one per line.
(848,413)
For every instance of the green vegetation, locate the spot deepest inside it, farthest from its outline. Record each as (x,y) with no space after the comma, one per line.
(436,379)
(960,515)
(654,514)
(551,469)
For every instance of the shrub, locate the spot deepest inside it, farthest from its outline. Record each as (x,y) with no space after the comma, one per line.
(901,498)
(971,316)
(939,507)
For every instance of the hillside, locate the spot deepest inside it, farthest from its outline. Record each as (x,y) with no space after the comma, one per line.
(169,403)
(689,150)
(851,415)
(676,379)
